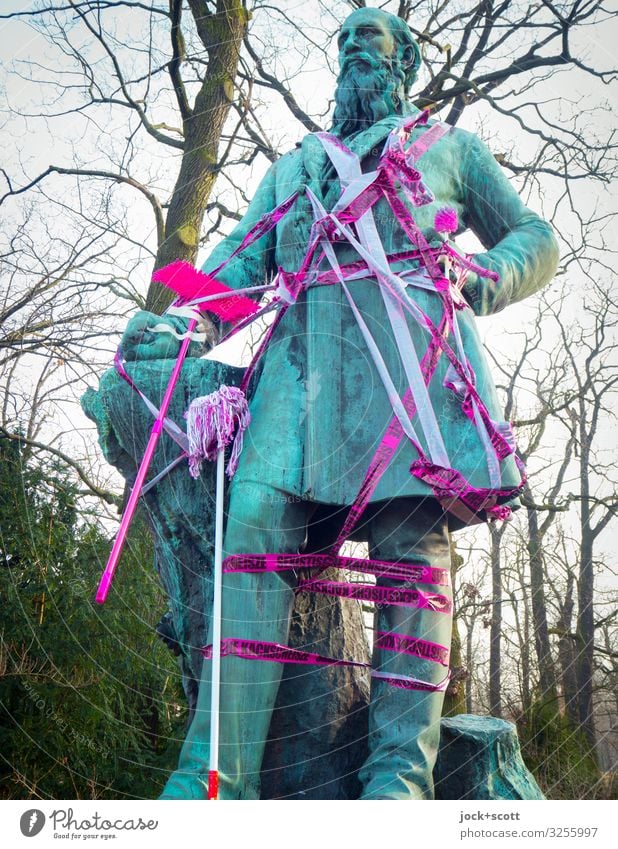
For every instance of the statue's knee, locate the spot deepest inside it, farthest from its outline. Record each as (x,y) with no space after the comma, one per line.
(247,517)
(264,520)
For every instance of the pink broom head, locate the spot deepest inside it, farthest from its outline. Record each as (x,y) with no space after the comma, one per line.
(211,422)
(446,220)
(190,284)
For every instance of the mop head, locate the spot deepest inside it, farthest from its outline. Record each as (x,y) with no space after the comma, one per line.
(211,423)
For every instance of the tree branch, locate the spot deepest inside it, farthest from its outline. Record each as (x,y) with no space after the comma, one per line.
(88,172)
(286,94)
(103,494)
(178,56)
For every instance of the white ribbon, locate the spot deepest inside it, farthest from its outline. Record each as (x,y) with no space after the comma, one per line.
(167,328)
(347,165)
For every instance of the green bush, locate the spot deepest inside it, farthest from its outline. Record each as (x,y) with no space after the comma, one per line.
(90,699)
(559,755)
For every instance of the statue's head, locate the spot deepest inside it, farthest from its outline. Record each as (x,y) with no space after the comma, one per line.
(378,60)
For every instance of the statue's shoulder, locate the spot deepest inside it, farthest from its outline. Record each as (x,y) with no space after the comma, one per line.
(454,133)
(455,139)
(287,160)
(294,152)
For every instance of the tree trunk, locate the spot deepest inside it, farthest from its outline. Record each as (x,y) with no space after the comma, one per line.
(585,636)
(469,638)
(567,655)
(221,34)
(585,594)
(523,636)
(455,696)
(495,636)
(547,675)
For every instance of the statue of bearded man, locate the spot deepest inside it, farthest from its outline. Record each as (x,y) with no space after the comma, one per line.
(320,407)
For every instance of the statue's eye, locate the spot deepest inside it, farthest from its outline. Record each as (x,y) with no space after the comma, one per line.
(361,32)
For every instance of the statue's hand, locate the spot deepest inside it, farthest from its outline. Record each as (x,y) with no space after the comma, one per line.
(141,341)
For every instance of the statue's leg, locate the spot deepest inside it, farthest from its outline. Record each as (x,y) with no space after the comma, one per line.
(255,607)
(404,725)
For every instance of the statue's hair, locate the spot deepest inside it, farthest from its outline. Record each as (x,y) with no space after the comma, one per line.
(404,38)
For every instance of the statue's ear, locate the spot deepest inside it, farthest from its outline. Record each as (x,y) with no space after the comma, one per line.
(408,56)
(411,56)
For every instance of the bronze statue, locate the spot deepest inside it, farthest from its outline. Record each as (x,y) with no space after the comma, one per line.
(325,394)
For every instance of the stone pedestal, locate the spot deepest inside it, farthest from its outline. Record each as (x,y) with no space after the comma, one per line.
(479,759)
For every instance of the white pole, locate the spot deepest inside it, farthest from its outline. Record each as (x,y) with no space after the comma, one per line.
(213,775)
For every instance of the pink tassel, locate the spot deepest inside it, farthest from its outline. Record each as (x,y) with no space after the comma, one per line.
(446,220)
(211,421)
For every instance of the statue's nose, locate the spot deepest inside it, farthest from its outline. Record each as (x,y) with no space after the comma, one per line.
(349,43)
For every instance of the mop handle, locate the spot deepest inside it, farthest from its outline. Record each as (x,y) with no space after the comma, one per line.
(213,773)
(136,491)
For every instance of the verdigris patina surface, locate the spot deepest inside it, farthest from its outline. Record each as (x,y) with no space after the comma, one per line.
(321,406)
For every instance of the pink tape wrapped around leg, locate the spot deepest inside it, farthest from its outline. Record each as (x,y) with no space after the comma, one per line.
(277,653)
(414,573)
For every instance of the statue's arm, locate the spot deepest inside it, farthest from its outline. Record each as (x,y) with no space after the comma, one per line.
(251,268)
(520,245)
(254,265)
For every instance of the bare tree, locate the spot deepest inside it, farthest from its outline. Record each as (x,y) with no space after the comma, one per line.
(595,375)
(567,370)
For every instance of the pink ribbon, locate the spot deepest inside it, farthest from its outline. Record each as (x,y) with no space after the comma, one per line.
(258,650)
(412,572)
(390,641)
(448,485)
(498,435)
(277,653)
(264,225)
(398,596)
(169,425)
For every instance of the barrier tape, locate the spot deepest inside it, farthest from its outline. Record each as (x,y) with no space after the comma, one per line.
(413,572)
(276,653)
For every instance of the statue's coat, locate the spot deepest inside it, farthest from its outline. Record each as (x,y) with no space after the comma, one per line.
(319,408)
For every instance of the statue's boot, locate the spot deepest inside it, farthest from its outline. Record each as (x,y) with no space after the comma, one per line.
(255,607)
(404,725)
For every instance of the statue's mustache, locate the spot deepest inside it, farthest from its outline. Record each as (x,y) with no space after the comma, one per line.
(351,59)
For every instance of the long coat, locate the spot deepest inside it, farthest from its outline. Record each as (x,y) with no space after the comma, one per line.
(319,408)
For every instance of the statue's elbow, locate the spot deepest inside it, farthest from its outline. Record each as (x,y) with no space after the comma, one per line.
(547,255)
(552,253)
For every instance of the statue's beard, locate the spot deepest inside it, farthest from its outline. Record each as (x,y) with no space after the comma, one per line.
(367,91)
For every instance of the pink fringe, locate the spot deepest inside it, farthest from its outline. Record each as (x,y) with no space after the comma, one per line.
(191,284)
(211,421)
